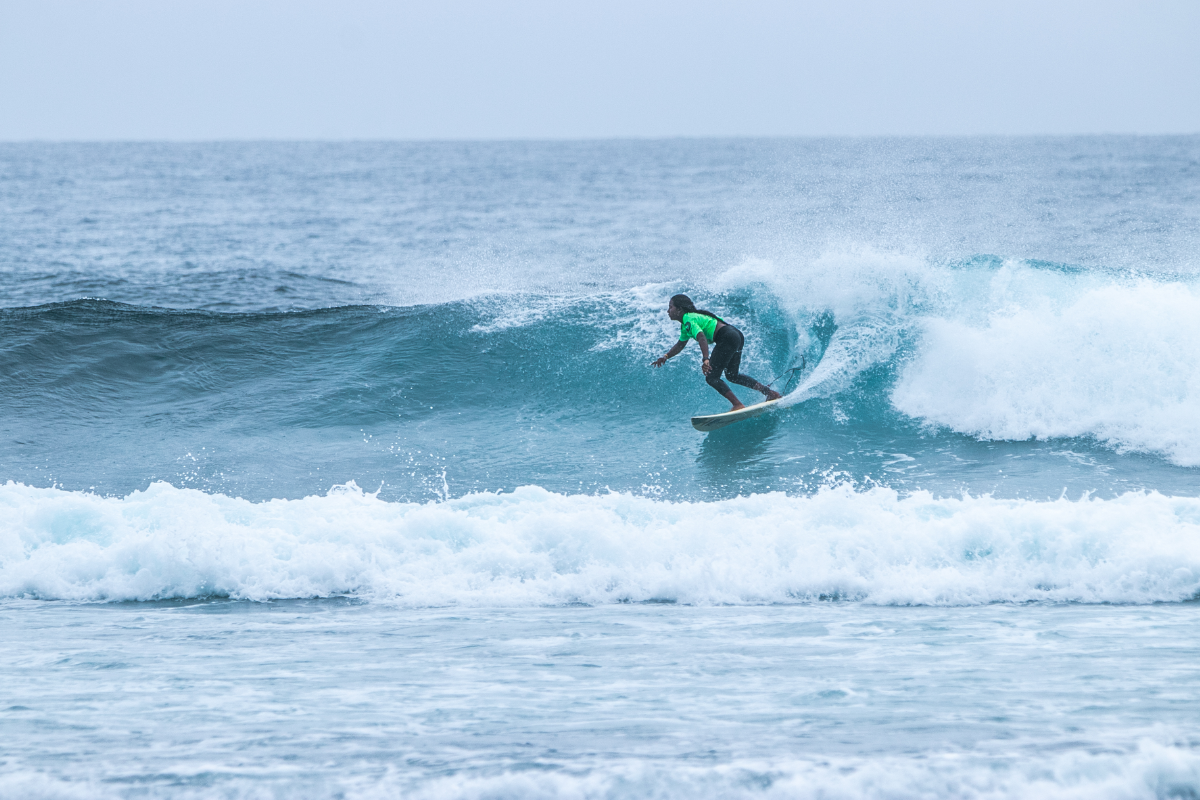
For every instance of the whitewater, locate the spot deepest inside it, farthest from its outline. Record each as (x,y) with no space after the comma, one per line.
(341,471)
(531,548)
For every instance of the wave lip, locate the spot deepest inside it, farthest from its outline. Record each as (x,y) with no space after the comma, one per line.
(535,547)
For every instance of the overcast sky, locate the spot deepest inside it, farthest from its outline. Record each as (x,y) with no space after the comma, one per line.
(462,69)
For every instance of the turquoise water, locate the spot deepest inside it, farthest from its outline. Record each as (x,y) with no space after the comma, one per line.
(341,470)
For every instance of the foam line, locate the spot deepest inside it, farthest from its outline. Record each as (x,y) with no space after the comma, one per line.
(533,547)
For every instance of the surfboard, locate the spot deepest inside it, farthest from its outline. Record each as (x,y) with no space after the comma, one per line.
(710,422)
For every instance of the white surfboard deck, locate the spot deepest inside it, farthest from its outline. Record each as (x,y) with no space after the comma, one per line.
(710,422)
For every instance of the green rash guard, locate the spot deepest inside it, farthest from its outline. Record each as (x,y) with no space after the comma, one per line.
(692,323)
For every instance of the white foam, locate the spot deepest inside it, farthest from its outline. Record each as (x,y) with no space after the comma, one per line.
(1010,351)
(869,293)
(533,547)
(1118,362)
(1152,770)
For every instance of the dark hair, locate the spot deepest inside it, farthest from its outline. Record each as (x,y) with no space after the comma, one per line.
(685,304)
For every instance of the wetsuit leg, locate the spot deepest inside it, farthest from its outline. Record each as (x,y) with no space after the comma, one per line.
(727,348)
(729,341)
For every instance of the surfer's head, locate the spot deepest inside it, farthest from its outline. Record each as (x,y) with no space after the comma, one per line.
(680,305)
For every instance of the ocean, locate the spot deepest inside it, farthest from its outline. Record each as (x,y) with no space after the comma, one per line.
(340,470)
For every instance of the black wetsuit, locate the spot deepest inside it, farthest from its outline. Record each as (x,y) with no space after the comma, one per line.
(726,357)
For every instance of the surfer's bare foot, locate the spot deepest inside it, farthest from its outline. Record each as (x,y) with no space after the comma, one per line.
(773,395)
(737,407)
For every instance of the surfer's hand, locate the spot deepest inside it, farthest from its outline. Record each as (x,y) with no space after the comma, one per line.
(706,367)
(658,362)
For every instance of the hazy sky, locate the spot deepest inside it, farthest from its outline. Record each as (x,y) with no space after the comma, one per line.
(368,69)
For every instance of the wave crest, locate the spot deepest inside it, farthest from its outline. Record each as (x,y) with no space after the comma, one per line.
(533,547)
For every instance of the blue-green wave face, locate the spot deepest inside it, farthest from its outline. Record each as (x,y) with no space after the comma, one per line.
(437,358)
(982,375)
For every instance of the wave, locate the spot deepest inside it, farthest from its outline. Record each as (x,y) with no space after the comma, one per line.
(1152,770)
(1120,364)
(515,389)
(1004,350)
(535,547)
(351,364)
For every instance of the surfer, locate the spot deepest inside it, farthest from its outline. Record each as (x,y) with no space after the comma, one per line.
(705,327)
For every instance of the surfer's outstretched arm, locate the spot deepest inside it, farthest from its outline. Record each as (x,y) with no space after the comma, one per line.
(674,351)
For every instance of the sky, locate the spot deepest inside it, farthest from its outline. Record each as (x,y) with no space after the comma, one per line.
(528,69)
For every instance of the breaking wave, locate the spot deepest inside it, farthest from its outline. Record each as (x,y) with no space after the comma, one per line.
(535,547)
